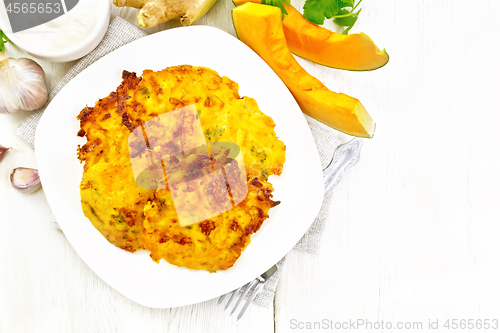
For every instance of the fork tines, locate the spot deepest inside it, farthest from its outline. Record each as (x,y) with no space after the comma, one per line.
(240,299)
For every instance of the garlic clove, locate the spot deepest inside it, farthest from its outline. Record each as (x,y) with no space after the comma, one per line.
(3,150)
(25,180)
(22,83)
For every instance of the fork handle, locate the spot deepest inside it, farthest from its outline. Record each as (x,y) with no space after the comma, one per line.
(344,158)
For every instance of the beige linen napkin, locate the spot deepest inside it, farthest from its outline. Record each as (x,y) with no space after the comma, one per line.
(119,33)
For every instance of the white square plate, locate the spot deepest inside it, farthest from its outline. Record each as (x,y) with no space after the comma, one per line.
(135,275)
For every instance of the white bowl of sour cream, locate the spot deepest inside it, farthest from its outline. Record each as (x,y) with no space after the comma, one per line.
(66,38)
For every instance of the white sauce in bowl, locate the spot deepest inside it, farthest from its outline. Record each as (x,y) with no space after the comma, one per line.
(63,32)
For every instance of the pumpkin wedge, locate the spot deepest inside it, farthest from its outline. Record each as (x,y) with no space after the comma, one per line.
(260,27)
(355,52)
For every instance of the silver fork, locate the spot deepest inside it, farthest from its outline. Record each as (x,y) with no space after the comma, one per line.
(260,283)
(344,158)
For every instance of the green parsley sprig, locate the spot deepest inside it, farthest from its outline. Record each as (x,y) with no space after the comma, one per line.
(279,4)
(3,40)
(317,10)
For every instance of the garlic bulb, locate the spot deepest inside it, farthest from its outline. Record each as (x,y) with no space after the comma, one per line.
(22,85)
(25,180)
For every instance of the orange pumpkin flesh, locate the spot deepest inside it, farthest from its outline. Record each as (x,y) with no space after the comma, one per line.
(356,52)
(260,27)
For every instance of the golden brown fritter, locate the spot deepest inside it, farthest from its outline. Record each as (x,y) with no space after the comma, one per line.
(213,244)
(105,126)
(115,204)
(132,217)
(224,116)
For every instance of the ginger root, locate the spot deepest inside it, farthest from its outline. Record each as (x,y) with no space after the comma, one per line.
(153,12)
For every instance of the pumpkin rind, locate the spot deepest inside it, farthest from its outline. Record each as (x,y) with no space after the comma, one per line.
(260,27)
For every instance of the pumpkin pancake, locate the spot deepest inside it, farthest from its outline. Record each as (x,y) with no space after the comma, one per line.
(132,217)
